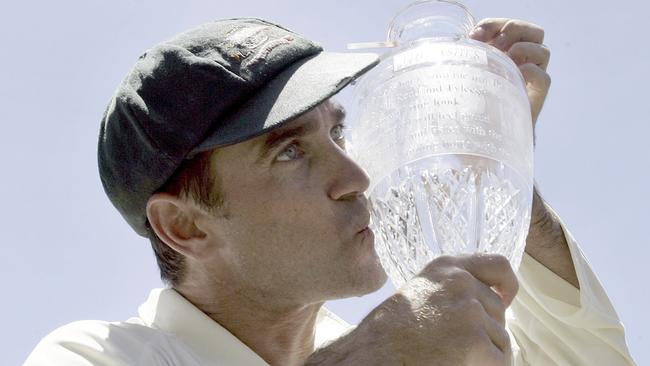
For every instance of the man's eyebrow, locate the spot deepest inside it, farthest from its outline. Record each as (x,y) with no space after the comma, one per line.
(339,113)
(277,137)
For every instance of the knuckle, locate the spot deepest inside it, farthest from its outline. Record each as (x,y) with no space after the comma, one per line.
(461,280)
(536,75)
(521,47)
(489,22)
(496,260)
(517,24)
(501,262)
(474,309)
(442,261)
(536,27)
(525,27)
(528,69)
(474,258)
(483,341)
(429,269)
(510,24)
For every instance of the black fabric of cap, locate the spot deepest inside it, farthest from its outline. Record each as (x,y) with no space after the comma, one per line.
(218,84)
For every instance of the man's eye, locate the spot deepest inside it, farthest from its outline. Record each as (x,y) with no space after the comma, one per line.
(337,133)
(291,152)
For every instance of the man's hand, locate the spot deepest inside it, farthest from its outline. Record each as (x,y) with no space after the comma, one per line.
(447,315)
(522,41)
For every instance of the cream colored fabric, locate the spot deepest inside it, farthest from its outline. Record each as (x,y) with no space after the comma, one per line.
(169,330)
(550,321)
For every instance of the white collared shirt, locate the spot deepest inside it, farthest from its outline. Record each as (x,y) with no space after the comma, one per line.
(168,330)
(550,323)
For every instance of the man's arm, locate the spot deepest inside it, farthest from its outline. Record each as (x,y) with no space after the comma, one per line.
(522,41)
(554,320)
(547,244)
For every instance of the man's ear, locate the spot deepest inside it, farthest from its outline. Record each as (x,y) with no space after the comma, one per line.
(174,220)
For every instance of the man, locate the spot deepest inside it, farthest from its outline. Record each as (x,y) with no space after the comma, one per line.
(224,147)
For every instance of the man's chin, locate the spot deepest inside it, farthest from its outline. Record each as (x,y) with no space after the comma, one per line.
(375,276)
(378,282)
(369,282)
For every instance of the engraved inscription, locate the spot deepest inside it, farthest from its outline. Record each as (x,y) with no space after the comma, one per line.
(436,52)
(438,110)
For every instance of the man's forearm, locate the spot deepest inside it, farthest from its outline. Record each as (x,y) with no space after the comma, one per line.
(547,244)
(358,347)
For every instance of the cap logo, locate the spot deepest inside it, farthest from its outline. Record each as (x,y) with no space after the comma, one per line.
(243,41)
(268,47)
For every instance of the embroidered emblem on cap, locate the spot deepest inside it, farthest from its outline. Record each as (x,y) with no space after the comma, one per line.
(243,41)
(268,47)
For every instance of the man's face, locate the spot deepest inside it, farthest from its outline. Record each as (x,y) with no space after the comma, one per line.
(294,221)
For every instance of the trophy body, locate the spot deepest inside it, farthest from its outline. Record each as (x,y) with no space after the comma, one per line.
(444,130)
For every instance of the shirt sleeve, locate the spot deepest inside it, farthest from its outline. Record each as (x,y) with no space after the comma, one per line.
(553,323)
(76,344)
(96,343)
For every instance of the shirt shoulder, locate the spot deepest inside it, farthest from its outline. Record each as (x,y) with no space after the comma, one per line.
(101,343)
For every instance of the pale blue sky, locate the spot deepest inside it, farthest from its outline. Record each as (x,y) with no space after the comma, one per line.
(69,255)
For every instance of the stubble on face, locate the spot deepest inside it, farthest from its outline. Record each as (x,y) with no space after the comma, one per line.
(297,215)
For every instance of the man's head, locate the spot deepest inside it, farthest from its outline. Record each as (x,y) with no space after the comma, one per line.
(180,156)
(290,217)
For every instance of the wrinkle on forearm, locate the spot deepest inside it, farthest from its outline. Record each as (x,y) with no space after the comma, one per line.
(546,242)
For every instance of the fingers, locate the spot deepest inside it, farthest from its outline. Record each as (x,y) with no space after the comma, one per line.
(498,334)
(462,271)
(473,310)
(529,52)
(491,302)
(522,41)
(493,355)
(494,271)
(538,83)
(497,346)
(491,337)
(488,28)
(493,346)
(502,33)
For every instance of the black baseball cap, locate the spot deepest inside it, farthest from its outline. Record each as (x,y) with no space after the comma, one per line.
(218,84)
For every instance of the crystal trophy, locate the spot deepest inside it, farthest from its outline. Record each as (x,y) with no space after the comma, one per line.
(443,128)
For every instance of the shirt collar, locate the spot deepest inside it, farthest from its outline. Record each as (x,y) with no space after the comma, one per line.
(167,310)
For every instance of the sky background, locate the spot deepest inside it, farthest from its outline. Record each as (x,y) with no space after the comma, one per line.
(68,255)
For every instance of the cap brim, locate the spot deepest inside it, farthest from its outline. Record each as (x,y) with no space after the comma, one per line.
(293,92)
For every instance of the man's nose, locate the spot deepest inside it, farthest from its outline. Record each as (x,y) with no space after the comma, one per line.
(348,179)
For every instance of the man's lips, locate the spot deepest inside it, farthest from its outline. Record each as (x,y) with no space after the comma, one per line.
(366,233)
(363,218)
(364,223)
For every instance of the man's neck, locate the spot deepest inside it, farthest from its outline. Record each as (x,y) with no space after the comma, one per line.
(281,336)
